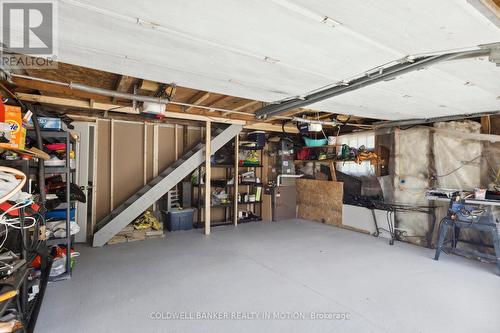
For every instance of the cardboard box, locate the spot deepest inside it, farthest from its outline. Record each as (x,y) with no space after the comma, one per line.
(4,133)
(47,123)
(11,115)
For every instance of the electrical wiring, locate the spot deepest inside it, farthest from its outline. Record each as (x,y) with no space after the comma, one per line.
(463,163)
(14,222)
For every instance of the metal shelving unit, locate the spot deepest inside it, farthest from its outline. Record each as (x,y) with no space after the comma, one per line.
(250,186)
(24,278)
(69,175)
(200,205)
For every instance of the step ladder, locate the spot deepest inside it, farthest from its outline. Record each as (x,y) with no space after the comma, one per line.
(138,203)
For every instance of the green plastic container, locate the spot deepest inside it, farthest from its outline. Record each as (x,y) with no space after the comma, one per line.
(315,142)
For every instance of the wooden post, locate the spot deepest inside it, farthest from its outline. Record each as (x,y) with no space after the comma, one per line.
(176,143)
(486,125)
(155,150)
(185,138)
(208,176)
(145,156)
(155,155)
(332,171)
(111,164)
(235,174)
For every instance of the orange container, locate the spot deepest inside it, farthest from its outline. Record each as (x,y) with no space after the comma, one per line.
(11,115)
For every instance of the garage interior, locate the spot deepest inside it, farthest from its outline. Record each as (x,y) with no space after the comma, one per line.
(275,166)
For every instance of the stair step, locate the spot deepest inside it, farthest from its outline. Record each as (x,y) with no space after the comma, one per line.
(129,214)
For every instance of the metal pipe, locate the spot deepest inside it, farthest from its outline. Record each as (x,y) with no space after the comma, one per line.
(120,95)
(117,94)
(278,179)
(313,121)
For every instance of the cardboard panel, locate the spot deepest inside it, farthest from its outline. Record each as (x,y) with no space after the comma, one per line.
(194,137)
(166,147)
(102,190)
(149,152)
(180,145)
(320,200)
(128,156)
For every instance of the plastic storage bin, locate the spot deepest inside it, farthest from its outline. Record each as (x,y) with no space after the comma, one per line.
(60,214)
(181,219)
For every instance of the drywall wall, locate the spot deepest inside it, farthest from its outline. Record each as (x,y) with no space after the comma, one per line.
(361,219)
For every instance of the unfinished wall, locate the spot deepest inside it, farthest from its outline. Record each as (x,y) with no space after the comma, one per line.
(448,155)
(459,162)
(411,180)
(129,154)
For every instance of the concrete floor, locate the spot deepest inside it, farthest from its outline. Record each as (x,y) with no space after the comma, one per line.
(290,269)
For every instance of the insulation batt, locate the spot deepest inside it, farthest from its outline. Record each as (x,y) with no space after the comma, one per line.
(411,180)
(459,163)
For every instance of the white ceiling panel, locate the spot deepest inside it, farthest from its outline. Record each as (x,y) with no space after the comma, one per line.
(273,49)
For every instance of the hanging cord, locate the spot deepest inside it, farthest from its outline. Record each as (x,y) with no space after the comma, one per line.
(15,223)
(463,163)
(41,165)
(18,187)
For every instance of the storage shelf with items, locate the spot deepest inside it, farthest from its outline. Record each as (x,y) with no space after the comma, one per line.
(250,188)
(222,189)
(26,259)
(62,194)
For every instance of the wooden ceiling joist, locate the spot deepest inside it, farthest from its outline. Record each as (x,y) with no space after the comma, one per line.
(218,102)
(123,84)
(149,85)
(197,99)
(177,114)
(493,5)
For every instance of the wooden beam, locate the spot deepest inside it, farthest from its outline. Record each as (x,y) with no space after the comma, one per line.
(493,5)
(486,125)
(75,103)
(216,102)
(118,108)
(123,84)
(176,142)
(111,162)
(149,85)
(78,104)
(185,140)
(145,154)
(197,99)
(235,178)
(208,176)
(333,174)
(246,105)
(241,107)
(271,127)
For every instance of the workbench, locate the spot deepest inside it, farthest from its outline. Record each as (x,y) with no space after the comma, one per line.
(469,214)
